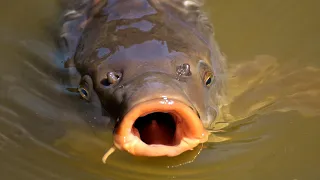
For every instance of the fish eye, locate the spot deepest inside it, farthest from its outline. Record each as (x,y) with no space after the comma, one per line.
(111,78)
(84,93)
(206,73)
(85,87)
(208,79)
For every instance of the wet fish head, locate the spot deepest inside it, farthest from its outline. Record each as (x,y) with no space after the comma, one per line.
(156,76)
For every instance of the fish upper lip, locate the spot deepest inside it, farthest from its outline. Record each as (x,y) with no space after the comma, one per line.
(190,130)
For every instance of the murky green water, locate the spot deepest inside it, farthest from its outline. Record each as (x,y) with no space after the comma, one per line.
(274,92)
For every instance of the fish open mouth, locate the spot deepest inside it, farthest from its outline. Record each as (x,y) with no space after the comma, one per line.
(159,127)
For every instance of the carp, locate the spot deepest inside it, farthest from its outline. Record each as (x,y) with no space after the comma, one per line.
(153,66)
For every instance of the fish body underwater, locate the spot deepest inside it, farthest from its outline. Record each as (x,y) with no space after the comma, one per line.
(152,65)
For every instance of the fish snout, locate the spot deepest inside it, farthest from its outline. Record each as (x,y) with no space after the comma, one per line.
(159,121)
(159,127)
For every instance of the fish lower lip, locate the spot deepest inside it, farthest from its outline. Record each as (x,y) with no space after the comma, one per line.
(159,128)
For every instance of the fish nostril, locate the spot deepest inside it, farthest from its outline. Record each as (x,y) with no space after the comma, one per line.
(183,70)
(112,78)
(105,82)
(117,76)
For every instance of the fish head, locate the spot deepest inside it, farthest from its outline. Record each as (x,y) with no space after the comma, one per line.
(160,99)
(160,85)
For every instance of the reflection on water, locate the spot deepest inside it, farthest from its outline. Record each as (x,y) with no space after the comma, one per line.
(273,110)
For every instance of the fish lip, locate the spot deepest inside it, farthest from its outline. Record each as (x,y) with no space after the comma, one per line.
(193,130)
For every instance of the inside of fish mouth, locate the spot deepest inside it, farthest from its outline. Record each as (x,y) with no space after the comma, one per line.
(158,128)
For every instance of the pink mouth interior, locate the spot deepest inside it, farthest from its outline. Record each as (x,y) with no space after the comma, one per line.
(159,128)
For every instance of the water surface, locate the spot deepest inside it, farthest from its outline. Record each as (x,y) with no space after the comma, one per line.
(273,112)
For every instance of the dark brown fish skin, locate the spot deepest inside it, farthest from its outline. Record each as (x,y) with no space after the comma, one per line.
(145,42)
